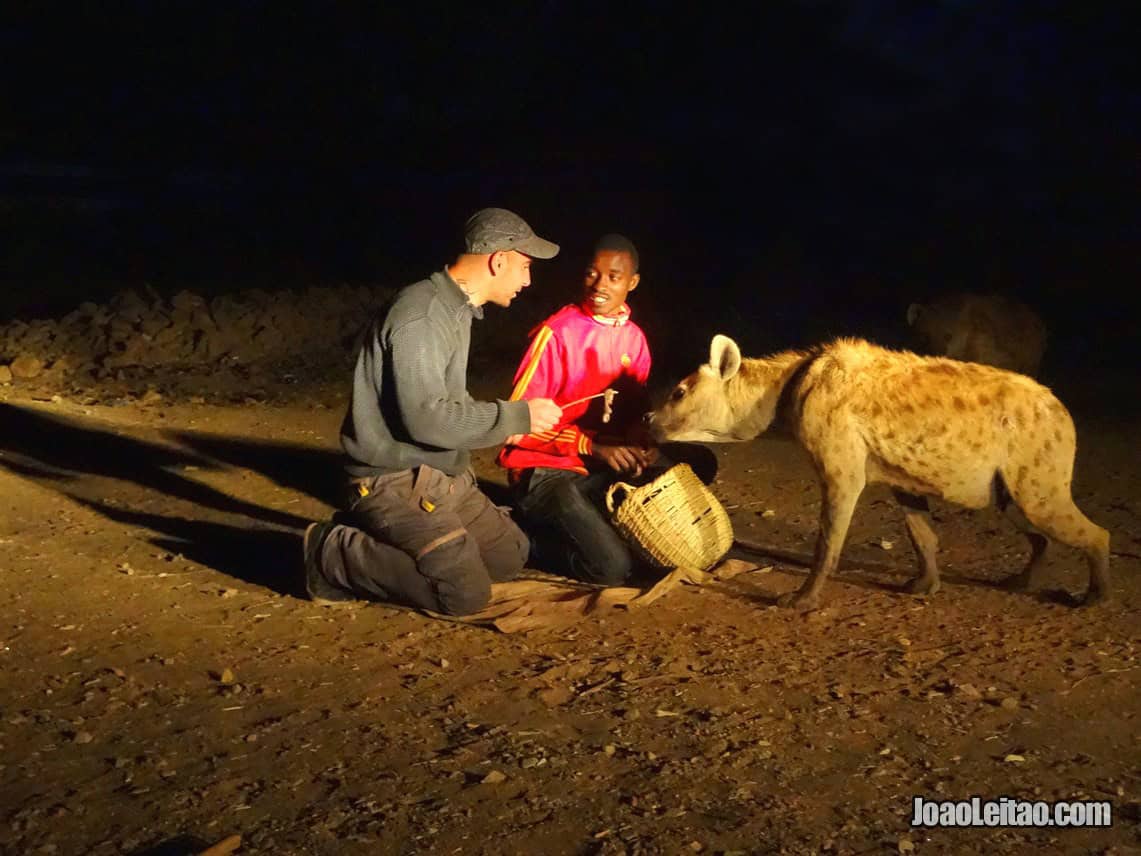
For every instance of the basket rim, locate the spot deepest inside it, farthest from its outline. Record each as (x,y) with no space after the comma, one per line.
(649,529)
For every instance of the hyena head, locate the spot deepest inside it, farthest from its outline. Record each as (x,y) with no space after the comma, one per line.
(933,327)
(700,408)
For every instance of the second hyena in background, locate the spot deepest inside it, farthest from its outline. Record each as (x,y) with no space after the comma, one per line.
(927,426)
(980,328)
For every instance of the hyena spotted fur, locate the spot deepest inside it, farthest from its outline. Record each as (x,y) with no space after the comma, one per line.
(980,328)
(927,426)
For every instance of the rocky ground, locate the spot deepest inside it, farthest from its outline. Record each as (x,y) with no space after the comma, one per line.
(163,685)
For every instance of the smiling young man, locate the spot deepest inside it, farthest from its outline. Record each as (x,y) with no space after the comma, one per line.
(560,476)
(417,529)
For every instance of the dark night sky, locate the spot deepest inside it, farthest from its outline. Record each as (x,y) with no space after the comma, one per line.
(820,164)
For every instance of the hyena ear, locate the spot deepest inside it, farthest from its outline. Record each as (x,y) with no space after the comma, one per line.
(724,356)
(913,313)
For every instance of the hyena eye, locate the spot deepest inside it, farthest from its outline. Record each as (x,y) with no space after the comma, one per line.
(678,394)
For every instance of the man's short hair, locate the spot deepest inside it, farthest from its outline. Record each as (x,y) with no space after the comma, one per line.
(619,244)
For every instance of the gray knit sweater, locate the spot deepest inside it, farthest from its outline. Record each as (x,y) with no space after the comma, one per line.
(410,403)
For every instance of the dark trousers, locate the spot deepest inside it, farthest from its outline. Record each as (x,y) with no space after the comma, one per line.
(565,515)
(423,538)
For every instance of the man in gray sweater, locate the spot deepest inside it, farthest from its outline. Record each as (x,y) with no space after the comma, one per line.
(417,529)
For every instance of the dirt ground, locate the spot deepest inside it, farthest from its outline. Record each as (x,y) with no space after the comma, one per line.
(164,686)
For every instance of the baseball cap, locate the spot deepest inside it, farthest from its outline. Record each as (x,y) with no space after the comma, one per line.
(490,230)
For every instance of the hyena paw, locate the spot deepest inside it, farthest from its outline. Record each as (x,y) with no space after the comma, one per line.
(922,585)
(1095,596)
(798,600)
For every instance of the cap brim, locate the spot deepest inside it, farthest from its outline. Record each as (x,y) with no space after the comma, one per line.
(537,248)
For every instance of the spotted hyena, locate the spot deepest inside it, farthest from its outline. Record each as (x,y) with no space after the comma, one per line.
(927,426)
(980,328)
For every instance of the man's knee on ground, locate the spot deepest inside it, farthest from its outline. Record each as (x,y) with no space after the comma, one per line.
(458,576)
(512,558)
(464,597)
(609,568)
(522,553)
(507,555)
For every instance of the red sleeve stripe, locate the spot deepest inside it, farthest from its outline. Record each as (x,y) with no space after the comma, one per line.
(569,434)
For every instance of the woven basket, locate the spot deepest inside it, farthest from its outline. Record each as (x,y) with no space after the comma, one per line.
(674,521)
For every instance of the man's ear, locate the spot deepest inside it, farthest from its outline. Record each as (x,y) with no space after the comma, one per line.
(496,262)
(634,280)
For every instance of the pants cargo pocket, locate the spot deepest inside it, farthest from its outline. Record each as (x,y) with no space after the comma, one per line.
(451,562)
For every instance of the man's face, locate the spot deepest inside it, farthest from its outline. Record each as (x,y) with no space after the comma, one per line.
(607,281)
(512,275)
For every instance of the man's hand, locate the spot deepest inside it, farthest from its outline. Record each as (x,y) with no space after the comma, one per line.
(545,414)
(625,459)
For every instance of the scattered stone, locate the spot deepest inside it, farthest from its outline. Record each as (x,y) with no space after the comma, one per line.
(26,367)
(555,696)
(493,778)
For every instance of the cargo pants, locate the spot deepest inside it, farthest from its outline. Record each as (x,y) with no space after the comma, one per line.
(423,538)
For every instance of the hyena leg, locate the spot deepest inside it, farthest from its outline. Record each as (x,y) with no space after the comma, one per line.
(917,515)
(1038,541)
(1026,579)
(1063,521)
(836,507)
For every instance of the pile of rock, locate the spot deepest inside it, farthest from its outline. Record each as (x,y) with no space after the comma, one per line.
(186,330)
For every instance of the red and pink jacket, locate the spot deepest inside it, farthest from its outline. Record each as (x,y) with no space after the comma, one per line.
(573,354)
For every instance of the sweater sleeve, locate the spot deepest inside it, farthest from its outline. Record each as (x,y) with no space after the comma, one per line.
(419,358)
(542,374)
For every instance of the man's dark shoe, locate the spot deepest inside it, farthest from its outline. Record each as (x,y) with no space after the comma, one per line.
(319,589)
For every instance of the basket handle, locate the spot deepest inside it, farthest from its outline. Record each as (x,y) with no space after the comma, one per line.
(610,491)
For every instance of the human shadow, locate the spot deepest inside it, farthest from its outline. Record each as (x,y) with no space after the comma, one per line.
(305,469)
(262,556)
(51,448)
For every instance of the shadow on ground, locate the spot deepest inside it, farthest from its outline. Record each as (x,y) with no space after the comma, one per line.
(260,556)
(304,469)
(53,450)
(868,574)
